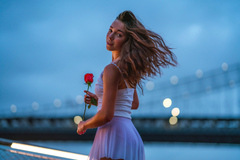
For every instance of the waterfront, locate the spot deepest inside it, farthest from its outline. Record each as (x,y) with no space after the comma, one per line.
(160,150)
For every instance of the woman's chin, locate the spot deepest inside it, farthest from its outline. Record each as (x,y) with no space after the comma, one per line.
(108,48)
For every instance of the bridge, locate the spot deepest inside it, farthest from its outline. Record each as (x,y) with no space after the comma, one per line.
(209,105)
(208,130)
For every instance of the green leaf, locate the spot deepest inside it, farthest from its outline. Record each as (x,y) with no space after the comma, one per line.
(93,101)
(89,84)
(89,106)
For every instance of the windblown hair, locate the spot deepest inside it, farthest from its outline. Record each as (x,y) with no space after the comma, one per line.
(144,53)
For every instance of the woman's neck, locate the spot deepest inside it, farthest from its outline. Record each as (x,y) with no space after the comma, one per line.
(115,56)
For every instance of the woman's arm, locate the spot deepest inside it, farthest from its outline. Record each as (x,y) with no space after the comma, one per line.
(135,102)
(111,79)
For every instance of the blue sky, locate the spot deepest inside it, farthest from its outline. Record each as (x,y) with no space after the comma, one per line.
(46,47)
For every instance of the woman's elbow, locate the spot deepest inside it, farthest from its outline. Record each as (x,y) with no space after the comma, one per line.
(108,117)
(135,105)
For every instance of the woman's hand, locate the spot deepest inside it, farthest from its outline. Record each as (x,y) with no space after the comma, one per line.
(81,129)
(88,98)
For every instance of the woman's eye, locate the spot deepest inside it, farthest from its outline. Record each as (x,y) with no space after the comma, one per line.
(110,30)
(119,35)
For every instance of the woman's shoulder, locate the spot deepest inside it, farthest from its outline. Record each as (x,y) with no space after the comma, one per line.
(112,70)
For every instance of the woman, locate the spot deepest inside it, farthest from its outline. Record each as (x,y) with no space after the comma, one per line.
(137,53)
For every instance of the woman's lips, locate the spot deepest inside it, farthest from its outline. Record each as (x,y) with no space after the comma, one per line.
(110,44)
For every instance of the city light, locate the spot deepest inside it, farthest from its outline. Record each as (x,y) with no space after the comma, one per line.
(150,85)
(13,108)
(35,105)
(57,103)
(175,112)
(167,102)
(173,120)
(224,66)
(174,80)
(199,73)
(79,99)
(77,119)
(46,151)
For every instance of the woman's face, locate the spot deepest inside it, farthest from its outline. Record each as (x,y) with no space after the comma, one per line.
(116,36)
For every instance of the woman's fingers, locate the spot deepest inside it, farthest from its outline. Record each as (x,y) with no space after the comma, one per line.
(89,93)
(80,129)
(87,98)
(80,133)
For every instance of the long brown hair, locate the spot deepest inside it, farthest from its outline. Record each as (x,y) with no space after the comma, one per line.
(144,52)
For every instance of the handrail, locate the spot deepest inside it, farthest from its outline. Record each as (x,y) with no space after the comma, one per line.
(40,150)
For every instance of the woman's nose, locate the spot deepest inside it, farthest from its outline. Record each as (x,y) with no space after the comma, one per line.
(111,36)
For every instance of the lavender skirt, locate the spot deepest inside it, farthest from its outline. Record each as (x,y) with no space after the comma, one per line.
(118,139)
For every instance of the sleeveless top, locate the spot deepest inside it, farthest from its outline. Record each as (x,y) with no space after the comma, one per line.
(124,97)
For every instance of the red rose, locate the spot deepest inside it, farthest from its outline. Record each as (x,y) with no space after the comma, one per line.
(88,78)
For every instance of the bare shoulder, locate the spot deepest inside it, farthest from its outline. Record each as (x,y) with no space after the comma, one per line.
(112,71)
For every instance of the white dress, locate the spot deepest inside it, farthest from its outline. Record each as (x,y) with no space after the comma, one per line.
(118,139)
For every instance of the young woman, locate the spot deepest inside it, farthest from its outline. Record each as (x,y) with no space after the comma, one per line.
(137,53)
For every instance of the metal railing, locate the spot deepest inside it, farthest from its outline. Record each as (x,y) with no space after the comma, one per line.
(17,150)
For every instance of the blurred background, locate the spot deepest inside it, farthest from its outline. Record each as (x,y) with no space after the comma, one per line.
(46,48)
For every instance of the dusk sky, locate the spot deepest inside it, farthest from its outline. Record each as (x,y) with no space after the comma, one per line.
(46,46)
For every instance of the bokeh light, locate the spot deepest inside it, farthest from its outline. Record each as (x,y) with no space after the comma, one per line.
(167,102)
(13,108)
(173,120)
(35,105)
(77,119)
(79,99)
(57,103)
(150,85)
(174,80)
(199,73)
(175,112)
(224,66)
